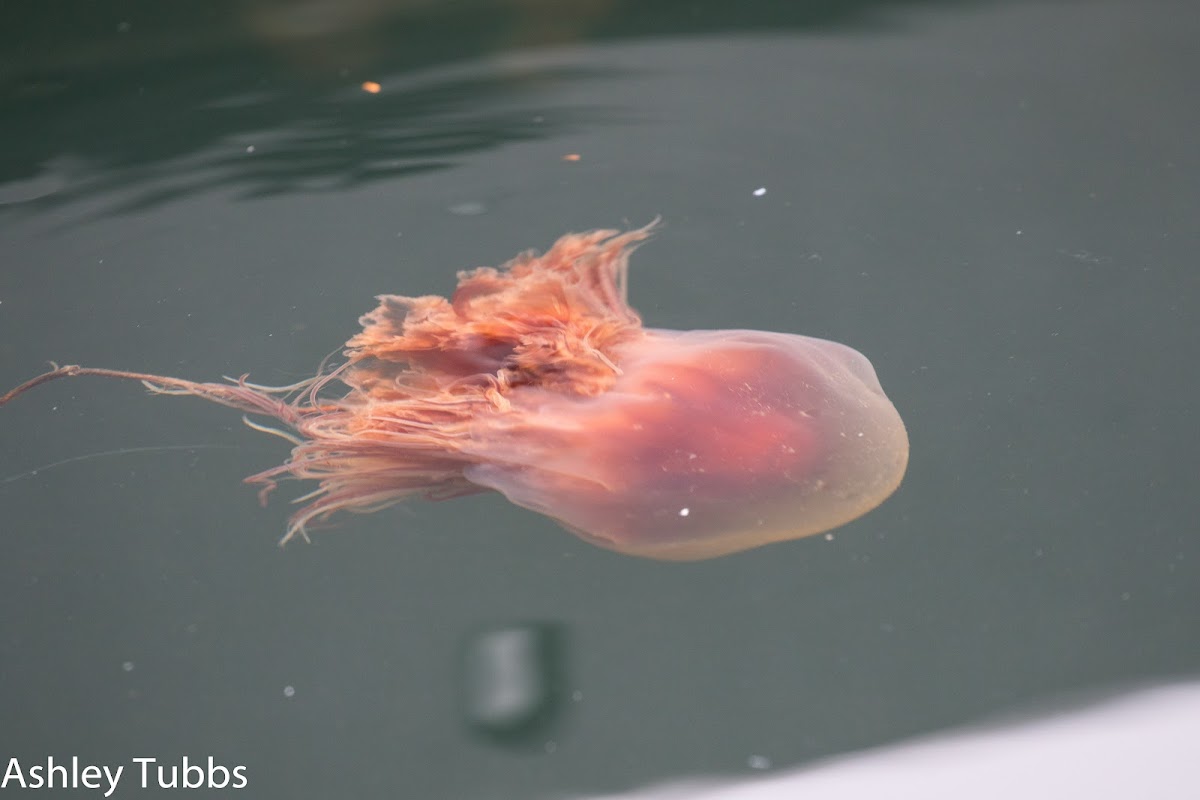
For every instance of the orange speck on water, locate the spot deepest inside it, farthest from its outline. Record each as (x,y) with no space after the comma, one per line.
(572,157)
(371,87)
(538,380)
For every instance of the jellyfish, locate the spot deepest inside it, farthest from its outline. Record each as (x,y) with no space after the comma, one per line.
(538,380)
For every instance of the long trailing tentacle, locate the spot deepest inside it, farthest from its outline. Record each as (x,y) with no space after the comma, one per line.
(239,395)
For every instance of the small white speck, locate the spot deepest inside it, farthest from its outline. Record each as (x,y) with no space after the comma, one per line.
(289,691)
(250,148)
(683,512)
(551,747)
(1019,232)
(829,537)
(468,209)
(127,666)
(760,191)
(758,762)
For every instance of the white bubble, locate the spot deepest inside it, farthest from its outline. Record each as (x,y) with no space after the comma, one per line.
(289,691)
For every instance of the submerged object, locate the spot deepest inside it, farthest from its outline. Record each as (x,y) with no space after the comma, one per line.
(538,380)
(512,681)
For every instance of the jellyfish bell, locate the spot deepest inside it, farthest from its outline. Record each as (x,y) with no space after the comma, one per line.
(710,442)
(538,380)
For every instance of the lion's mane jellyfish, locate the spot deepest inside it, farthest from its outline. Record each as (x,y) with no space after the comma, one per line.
(538,380)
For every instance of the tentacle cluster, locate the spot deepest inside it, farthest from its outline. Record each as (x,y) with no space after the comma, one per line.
(425,370)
